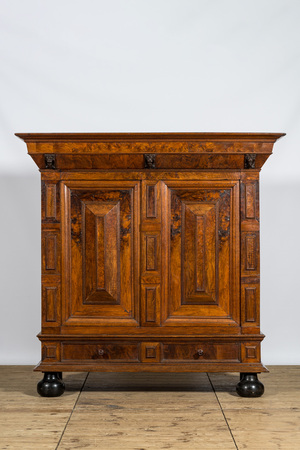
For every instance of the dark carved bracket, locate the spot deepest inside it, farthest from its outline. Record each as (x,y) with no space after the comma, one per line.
(50,162)
(249,161)
(149,162)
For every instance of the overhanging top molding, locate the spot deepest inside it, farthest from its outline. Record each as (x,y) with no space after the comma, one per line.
(150,137)
(133,151)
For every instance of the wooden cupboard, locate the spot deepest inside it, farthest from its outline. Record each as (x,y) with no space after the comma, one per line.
(150,253)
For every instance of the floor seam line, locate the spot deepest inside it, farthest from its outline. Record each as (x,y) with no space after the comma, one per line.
(73,409)
(229,429)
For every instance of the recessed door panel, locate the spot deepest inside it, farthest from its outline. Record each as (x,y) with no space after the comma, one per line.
(100,253)
(201,245)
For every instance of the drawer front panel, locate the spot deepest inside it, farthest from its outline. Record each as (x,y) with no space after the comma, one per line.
(101,352)
(201,352)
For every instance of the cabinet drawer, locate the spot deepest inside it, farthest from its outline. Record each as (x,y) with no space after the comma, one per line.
(99,351)
(201,352)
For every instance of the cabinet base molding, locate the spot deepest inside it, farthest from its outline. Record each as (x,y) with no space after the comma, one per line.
(133,354)
(155,367)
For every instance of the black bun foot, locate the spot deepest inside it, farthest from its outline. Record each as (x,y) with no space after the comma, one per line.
(249,386)
(51,385)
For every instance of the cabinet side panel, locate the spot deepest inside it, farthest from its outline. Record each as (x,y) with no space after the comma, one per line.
(250,257)
(51,253)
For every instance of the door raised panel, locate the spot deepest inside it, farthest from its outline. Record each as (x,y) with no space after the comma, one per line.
(201,237)
(199,251)
(100,253)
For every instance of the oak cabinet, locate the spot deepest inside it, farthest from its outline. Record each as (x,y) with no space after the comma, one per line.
(150,253)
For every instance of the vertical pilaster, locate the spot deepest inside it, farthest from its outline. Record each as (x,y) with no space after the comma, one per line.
(250,264)
(151,253)
(51,252)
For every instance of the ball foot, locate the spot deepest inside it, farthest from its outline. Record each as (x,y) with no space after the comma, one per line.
(249,385)
(51,385)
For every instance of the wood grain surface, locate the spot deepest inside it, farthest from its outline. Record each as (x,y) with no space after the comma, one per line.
(149,411)
(150,250)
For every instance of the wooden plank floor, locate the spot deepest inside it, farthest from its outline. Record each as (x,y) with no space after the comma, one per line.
(149,411)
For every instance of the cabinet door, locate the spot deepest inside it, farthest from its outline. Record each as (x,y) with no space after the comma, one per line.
(201,253)
(100,253)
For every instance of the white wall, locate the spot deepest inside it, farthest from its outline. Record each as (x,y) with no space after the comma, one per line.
(159,65)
